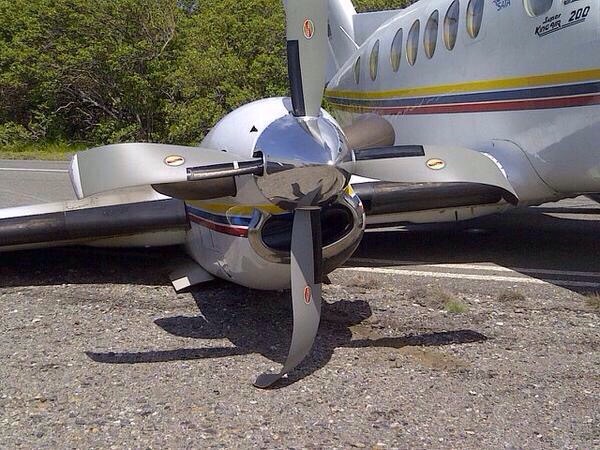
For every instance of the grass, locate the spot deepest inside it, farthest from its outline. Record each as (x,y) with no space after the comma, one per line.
(511,297)
(593,300)
(438,298)
(455,306)
(50,151)
(363,282)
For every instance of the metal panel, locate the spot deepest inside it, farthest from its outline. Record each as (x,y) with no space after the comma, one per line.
(93,223)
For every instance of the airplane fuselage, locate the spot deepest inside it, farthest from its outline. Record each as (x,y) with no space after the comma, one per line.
(525,89)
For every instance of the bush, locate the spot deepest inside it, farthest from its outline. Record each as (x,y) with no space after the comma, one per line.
(12,134)
(103,71)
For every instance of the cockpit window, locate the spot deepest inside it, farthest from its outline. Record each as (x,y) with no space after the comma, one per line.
(537,7)
(451,25)
(430,35)
(474,17)
(396,53)
(357,71)
(374,61)
(412,43)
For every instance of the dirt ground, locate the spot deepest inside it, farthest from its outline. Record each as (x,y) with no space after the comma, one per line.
(97,351)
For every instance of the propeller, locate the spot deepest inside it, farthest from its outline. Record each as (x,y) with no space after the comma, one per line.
(303,167)
(119,166)
(303,162)
(307,42)
(307,274)
(312,180)
(432,164)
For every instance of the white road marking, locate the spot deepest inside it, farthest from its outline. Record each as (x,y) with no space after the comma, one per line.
(460,276)
(9,169)
(483,267)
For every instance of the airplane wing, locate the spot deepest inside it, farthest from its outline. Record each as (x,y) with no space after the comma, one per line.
(135,217)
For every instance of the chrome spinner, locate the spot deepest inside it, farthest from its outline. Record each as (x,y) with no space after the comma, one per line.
(307,162)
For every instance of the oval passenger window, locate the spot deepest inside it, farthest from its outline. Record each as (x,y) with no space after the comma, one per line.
(451,25)
(412,43)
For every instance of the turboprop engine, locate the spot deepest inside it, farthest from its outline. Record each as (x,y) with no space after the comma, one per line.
(262,208)
(258,194)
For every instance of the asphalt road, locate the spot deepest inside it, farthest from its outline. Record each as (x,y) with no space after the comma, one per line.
(33,182)
(478,336)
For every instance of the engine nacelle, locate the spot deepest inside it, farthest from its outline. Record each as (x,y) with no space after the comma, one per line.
(238,132)
(246,238)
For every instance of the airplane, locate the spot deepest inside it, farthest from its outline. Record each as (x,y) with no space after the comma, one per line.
(444,111)
(516,81)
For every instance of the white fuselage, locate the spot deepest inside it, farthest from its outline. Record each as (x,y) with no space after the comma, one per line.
(524,86)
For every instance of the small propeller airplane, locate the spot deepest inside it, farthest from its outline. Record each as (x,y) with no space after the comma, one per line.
(446,110)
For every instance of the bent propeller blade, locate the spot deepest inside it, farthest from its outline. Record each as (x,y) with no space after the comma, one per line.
(118,166)
(307,274)
(432,164)
(307,42)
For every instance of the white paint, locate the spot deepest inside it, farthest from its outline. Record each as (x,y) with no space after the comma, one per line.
(181,284)
(561,143)
(18,169)
(484,267)
(460,276)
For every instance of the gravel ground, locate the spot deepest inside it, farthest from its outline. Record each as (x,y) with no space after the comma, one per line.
(97,351)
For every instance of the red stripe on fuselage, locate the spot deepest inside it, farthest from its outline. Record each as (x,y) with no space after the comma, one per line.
(493,106)
(225,229)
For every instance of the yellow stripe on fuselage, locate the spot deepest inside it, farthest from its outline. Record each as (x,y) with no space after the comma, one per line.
(235,209)
(473,86)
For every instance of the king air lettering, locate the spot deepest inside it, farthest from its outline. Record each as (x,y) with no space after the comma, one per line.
(554,23)
(550,25)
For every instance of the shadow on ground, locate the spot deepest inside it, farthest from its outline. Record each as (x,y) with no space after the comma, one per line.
(523,239)
(261,323)
(86,265)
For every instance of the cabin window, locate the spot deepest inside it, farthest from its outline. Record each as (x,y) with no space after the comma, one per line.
(357,71)
(396,53)
(474,17)
(412,43)
(537,7)
(430,35)
(374,61)
(451,25)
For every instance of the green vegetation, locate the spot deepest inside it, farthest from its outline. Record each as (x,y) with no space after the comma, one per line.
(438,298)
(512,296)
(52,151)
(106,71)
(455,306)
(593,300)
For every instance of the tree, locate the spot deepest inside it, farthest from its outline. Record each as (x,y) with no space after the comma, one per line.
(104,71)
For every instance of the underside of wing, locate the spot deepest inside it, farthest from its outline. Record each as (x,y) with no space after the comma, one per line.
(388,203)
(132,218)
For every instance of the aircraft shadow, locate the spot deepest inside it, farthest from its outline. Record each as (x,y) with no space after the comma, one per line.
(86,265)
(525,239)
(261,323)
